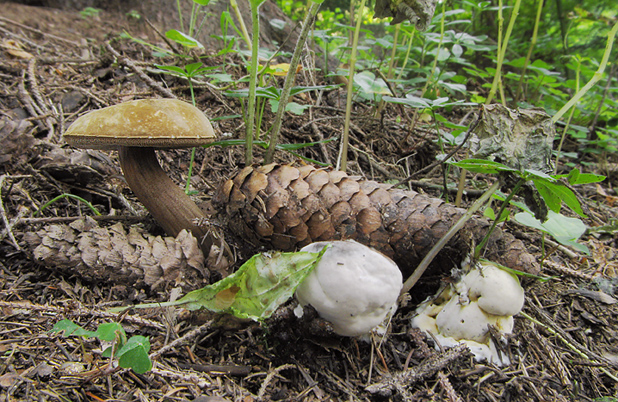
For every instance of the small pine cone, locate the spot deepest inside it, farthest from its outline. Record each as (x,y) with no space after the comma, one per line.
(286,207)
(111,255)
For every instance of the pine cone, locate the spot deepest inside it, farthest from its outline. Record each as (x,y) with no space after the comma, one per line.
(285,208)
(111,255)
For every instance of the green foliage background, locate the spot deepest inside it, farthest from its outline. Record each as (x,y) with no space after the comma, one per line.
(572,36)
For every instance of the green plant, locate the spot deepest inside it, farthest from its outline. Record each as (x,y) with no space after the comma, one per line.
(90,12)
(133,14)
(290,77)
(290,148)
(187,39)
(549,187)
(67,195)
(129,353)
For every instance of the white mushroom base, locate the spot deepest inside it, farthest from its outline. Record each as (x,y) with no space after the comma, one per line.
(461,313)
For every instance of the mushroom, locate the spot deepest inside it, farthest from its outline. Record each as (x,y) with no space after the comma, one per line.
(461,313)
(353,286)
(136,129)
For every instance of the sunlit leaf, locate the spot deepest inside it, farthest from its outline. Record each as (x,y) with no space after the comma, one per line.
(256,290)
(183,39)
(565,230)
(69,328)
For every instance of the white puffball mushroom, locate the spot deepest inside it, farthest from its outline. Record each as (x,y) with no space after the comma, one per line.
(495,290)
(461,313)
(353,286)
(464,321)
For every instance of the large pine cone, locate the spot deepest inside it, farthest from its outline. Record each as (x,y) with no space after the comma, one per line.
(286,207)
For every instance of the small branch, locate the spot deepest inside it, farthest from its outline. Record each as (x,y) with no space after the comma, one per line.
(182,340)
(438,162)
(289,80)
(152,83)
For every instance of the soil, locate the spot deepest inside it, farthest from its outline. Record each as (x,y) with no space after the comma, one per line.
(564,347)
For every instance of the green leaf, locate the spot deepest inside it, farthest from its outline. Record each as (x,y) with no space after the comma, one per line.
(223,77)
(409,100)
(202,2)
(565,230)
(108,332)
(134,354)
(555,193)
(482,166)
(172,69)
(293,107)
(575,177)
(183,39)
(256,3)
(258,288)
(71,329)
(520,273)
(193,67)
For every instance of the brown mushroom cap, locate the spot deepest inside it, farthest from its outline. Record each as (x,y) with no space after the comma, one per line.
(156,123)
(136,129)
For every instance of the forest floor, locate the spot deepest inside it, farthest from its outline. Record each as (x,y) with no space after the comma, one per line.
(55,66)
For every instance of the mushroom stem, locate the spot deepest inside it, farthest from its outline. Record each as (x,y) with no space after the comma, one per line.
(168,203)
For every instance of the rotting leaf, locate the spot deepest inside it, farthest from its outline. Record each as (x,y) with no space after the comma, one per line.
(519,138)
(256,290)
(418,12)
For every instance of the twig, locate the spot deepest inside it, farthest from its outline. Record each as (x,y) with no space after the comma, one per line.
(269,377)
(401,381)
(194,378)
(79,310)
(442,161)
(571,345)
(152,83)
(8,225)
(564,270)
(420,269)
(182,340)
(446,385)
(29,103)
(170,44)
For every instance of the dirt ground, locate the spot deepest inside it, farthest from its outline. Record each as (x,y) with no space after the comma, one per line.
(55,66)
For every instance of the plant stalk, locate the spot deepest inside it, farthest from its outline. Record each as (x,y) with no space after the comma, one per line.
(595,78)
(253,77)
(502,51)
(289,80)
(535,33)
(343,152)
(422,267)
(505,203)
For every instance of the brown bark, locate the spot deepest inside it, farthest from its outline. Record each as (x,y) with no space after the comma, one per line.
(285,207)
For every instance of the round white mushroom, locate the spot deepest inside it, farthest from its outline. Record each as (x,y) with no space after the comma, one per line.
(353,286)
